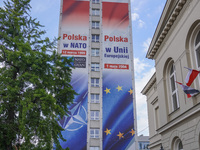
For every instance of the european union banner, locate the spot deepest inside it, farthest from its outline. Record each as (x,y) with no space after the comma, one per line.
(75,123)
(118,121)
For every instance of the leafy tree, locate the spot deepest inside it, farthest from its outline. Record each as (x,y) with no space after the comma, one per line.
(34,82)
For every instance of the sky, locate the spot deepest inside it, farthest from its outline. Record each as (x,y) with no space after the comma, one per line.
(145,17)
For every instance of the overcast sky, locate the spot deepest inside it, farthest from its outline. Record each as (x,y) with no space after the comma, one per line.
(145,17)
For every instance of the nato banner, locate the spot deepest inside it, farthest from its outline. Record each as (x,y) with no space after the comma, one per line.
(74,33)
(118,112)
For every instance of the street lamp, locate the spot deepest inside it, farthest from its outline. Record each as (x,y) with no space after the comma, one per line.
(161,147)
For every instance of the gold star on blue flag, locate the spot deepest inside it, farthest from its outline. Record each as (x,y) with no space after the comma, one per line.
(107,131)
(132,132)
(107,90)
(130,91)
(119,88)
(120,135)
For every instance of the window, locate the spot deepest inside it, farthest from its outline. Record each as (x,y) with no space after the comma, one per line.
(95,1)
(94,133)
(95,82)
(94,148)
(95,67)
(177,144)
(94,115)
(95,12)
(157,118)
(143,145)
(94,98)
(95,52)
(199,140)
(95,38)
(95,24)
(174,94)
(180,146)
(197,49)
(170,85)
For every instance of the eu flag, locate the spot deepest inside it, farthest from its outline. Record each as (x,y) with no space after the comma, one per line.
(118,117)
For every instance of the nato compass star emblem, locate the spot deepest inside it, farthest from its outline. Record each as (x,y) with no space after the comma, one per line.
(76,119)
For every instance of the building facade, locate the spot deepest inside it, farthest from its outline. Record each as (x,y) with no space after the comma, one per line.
(143,142)
(97,35)
(174,119)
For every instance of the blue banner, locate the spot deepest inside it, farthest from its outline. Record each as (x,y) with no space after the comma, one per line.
(118,122)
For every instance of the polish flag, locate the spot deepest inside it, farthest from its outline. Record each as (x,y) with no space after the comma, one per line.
(188,90)
(192,74)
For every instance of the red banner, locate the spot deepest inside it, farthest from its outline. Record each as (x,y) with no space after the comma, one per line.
(116,66)
(73,52)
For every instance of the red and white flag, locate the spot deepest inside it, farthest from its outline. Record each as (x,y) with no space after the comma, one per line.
(192,74)
(188,90)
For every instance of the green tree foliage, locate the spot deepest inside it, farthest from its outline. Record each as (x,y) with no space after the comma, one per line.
(34,82)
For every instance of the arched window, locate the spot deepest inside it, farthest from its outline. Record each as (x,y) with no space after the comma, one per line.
(197,48)
(193,50)
(173,87)
(170,86)
(177,144)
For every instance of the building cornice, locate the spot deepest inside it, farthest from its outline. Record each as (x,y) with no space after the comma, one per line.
(157,40)
(154,144)
(187,114)
(149,84)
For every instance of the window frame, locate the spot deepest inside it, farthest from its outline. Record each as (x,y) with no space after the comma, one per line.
(95,37)
(95,24)
(157,117)
(180,145)
(94,115)
(95,83)
(95,1)
(173,92)
(192,47)
(95,12)
(143,145)
(176,144)
(94,148)
(95,52)
(95,67)
(95,99)
(95,135)
(197,49)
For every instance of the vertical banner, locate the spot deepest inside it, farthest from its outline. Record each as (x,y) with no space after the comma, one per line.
(74,33)
(118,117)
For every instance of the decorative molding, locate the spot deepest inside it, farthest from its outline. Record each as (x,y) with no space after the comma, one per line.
(149,84)
(166,29)
(154,101)
(154,144)
(183,116)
